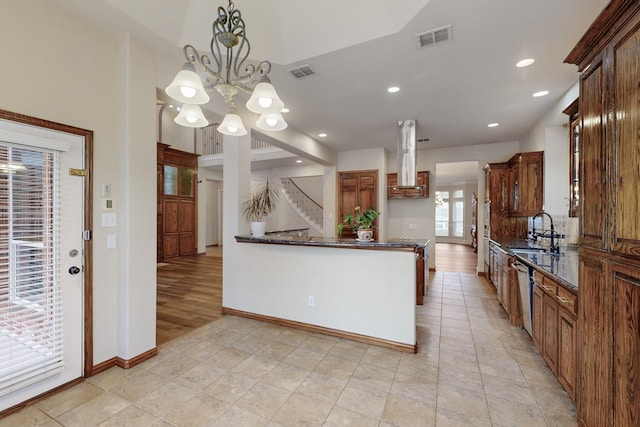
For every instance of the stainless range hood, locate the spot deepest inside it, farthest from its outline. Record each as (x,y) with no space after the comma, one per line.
(407,156)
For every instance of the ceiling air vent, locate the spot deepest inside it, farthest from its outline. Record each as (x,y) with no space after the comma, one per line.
(302,71)
(429,38)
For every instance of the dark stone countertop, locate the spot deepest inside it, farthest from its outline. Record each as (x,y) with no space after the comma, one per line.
(390,244)
(562,267)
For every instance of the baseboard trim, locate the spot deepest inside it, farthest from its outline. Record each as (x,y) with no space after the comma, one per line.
(124,363)
(35,399)
(323,330)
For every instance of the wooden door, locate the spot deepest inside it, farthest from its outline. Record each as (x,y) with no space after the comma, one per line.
(567,352)
(356,188)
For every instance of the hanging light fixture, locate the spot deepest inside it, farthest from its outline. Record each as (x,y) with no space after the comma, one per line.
(226,73)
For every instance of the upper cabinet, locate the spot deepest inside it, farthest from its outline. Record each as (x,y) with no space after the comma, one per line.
(516,187)
(525,185)
(408,193)
(574,158)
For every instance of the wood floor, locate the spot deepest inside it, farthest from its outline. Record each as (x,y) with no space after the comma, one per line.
(456,258)
(189,294)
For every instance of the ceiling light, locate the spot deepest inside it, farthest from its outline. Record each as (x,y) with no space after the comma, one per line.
(541,93)
(191,116)
(322,135)
(393,89)
(272,122)
(285,110)
(493,125)
(298,161)
(232,125)
(525,62)
(226,72)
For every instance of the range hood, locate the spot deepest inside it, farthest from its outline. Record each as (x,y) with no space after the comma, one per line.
(407,156)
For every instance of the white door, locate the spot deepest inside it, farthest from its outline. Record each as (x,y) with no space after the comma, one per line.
(41,261)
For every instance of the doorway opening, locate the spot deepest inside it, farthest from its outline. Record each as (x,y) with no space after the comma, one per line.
(456,216)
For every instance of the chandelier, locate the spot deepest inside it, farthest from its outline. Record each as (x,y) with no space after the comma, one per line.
(226,73)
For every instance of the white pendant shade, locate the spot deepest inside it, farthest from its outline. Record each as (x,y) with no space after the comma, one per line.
(232,125)
(191,116)
(187,87)
(272,122)
(265,99)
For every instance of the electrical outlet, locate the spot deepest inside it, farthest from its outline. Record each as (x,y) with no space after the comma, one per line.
(311,301)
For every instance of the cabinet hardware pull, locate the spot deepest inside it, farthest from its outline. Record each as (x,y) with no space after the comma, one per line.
(563,300)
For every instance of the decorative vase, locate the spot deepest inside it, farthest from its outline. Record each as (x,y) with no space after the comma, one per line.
(257,229)
(365,234)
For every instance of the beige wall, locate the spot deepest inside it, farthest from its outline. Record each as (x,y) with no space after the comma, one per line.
(58,67)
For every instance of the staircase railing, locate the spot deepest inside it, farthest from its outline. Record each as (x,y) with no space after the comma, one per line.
(212,141)
(305,203)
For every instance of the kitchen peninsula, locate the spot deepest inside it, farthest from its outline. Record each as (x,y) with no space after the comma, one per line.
(365,291)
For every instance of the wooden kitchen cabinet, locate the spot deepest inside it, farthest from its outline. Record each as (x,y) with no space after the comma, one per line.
(356,188)
(526,183)
(408,193)
(554,329)
(609,306)
(176,203)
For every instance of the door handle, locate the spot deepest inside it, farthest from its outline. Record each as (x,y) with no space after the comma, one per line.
(74,270)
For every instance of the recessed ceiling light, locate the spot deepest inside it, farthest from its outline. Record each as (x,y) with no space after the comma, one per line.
(298,161)
(493,125)
(525,62)
(541,93)
(322,135)
(393,89)
(284,110)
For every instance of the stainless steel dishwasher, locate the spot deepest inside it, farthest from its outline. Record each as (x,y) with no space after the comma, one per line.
(524,282)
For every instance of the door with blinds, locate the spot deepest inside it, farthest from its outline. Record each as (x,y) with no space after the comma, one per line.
(41,261)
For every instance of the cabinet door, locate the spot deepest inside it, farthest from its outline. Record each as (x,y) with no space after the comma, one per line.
(392,181)
(567,352)
(538,318)
(626,345)
(593,174)
(531,180)
(595,343)
(626,156)
(550,325)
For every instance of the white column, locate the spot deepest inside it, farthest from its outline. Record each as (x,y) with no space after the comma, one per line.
(236,188)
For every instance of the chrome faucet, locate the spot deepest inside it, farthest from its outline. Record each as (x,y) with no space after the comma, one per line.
(553,247)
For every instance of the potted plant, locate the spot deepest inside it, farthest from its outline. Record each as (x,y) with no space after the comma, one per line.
(360,222)
(262,203)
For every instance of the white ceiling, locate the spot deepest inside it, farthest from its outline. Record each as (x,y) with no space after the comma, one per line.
(360,47)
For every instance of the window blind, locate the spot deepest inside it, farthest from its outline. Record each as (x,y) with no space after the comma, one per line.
(31,332)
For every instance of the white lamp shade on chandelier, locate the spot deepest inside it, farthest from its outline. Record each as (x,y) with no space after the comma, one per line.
(191,116)
(272,122)
(226,73)
(187,87)
(232,125)
(264,99)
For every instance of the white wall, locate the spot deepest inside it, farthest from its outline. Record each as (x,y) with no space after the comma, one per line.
(68,71)
(367,292)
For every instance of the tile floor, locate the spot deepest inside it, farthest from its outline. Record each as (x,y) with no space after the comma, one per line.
(473,369)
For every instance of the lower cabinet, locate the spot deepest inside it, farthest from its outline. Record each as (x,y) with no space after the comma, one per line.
(554,329)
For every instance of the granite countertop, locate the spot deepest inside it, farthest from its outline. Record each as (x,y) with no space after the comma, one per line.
(392,243)
(562,267)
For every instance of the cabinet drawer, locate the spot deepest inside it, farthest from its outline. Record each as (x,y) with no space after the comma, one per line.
(547,285)
(568,300)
